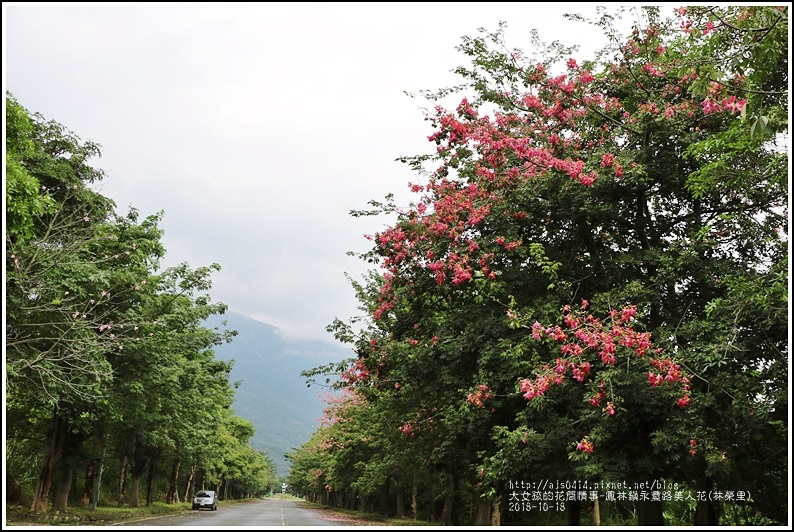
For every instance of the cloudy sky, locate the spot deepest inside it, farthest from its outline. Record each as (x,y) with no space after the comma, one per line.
(257,127)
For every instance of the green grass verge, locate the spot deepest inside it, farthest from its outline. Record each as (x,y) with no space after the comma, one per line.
(103,515)
(109,515)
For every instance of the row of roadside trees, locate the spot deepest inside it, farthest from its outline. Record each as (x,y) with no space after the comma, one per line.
(583,317)
(112,390)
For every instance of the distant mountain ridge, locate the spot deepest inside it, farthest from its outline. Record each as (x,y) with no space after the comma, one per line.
(272,394)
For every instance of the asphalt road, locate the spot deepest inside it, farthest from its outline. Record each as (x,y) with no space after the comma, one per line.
(260,513)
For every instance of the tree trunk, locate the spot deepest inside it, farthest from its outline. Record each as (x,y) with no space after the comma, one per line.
(13,490)
(496,513)
(706,510)
(385,497)
(150,484)
(483,512)
(446,512)
(88,486)
(52,455)
(138,469)
(574,513)
(97,490)
(595,513)
(123,480)
(457,504)
(399,509)
(189,485)
(64,484)
(414,502)
(173,483)
(135,482)
(649,513)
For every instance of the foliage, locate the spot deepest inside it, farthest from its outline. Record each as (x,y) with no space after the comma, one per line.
(592,280)
(108,364)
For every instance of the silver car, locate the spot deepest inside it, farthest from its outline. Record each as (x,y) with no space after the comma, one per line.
(205,499)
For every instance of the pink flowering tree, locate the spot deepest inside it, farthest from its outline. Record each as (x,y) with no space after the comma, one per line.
(558,298)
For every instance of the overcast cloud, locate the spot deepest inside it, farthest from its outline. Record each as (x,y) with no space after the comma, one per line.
(257,127)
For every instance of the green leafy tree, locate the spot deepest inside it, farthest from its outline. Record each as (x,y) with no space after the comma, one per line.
(249,473)
(71,274)
(108,362)
(169,388)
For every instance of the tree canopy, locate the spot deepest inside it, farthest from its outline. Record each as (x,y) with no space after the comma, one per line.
(591,284)
(108,362)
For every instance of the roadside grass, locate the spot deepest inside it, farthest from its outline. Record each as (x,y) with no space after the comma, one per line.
(364,518)
(107,515)
(103,515)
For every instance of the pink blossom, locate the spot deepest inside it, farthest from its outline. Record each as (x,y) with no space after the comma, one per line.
(585,445)
(710,106)
(693,447)
(683,402)
(588,179)
(732,105)
(561,366)
(461,275)
(654,378)
(537,331)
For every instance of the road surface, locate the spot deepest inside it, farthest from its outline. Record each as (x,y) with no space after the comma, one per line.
(258,513)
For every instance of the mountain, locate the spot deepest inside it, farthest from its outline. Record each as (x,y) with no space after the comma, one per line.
(272,394)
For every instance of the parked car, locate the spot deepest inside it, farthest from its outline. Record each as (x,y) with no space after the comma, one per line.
(205,499)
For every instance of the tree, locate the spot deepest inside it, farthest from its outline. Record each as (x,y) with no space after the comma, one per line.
(58,273)
(648,181)
(169,389)
(107,358)
(72,268)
